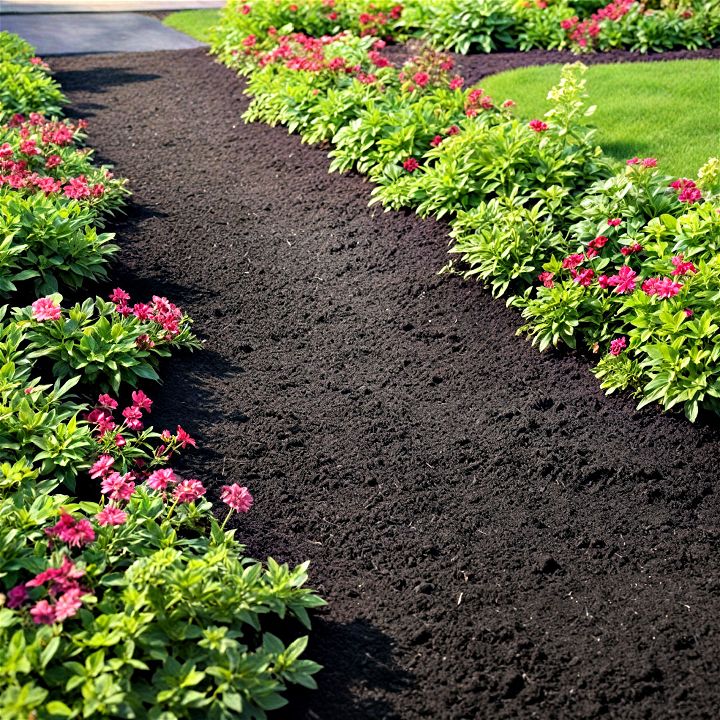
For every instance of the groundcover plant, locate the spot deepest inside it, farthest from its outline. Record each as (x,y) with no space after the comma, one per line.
(621,263)
(138,602)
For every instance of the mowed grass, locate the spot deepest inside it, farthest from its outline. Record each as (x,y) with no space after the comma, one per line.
(196,23)
(669,110)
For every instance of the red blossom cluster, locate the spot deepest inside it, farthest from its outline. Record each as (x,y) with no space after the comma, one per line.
(62,585)
(687,190)
(25,168)
(477,100)
(584,32)
(375,23)
(625,279)
(160,311)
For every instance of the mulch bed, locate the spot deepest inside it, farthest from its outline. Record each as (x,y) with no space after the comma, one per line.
(496,538)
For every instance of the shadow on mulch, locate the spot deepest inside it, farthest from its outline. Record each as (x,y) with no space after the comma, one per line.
(496,538)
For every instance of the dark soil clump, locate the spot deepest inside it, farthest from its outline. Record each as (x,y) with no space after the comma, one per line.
(496,538)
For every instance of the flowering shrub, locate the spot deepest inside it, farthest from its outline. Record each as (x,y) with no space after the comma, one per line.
(25,84)
(537,213)
(127,608)
(248,27)
(52,200)
(136,603)
(110,343)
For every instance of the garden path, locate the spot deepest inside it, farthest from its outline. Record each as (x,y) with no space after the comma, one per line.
(496,538)
(108,32)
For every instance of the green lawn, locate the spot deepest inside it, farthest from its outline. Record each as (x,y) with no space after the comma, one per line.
(668,110)
(197,23)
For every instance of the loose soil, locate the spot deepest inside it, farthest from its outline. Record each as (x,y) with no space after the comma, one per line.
(495,537)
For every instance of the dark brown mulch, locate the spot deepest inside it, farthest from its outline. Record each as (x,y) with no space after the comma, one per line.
(474,67)
(496,538)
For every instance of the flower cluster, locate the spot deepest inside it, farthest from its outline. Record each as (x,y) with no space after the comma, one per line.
(34,153)
(64,593)
(687,190)
(584,32)
(160,311)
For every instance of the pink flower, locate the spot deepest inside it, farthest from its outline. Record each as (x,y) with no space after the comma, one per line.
(661,287)
(421,78)
(572,261)
(117,486)
(249,41)
(584,277)
(183,438)
(452,130)
(77,188)
(688,312)
(119,296)
(633,161)
(17,596)
(144,342)
(618,345)
(28,147)
(53,161)
(682,267)
(61,578)
(160,479)
(68,604)
(509,104)
(538,126)
(411,164)
(6,151)
(604,282)
(687,190)
(456,83)
(120,441)
(624,281)
(43,613)
(187,491)
(46,309)
(614,222)
(133,415)
(437,140)
(75,533)
(111,515)
(141,400)
(649,162)
(546,278)
(102,466)
(107,401)
(631,249)
(142,311)
(237,497)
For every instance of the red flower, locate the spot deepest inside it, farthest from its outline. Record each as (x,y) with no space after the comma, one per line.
(411,164)
(538,126)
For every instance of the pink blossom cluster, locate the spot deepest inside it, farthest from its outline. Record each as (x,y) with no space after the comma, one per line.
(160,311)
(22,168)
(584,32)
(661,287)
(625,279)
(374,23)
(104,420)
(64,591)
(642,162)
(687,190)
(476,101)
(46,308)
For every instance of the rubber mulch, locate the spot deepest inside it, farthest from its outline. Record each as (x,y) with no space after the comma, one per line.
(495,537)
